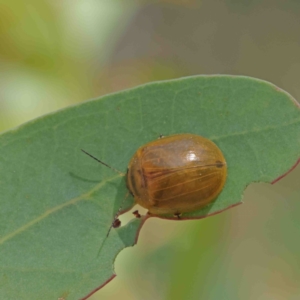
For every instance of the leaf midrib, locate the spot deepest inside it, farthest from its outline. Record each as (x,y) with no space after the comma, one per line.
(55,209)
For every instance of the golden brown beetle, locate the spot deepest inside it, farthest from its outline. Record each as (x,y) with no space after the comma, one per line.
(176,174)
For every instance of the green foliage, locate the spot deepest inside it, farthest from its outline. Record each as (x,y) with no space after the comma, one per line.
(57,203)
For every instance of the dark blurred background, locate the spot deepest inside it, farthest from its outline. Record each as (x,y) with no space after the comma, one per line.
(57,53)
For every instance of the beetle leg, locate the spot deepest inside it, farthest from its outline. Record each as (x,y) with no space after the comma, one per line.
(137,214)
(178,215)
(116,223)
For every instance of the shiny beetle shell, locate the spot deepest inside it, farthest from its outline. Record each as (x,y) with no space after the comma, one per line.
(176,174)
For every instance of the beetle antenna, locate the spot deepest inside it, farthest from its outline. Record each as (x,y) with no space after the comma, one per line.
(103,163)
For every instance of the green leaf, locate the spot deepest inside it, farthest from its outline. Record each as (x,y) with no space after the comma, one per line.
(57,203)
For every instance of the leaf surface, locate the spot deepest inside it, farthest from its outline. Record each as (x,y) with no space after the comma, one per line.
(57,203)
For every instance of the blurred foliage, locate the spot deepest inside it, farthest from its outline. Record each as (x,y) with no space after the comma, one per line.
(55,53)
